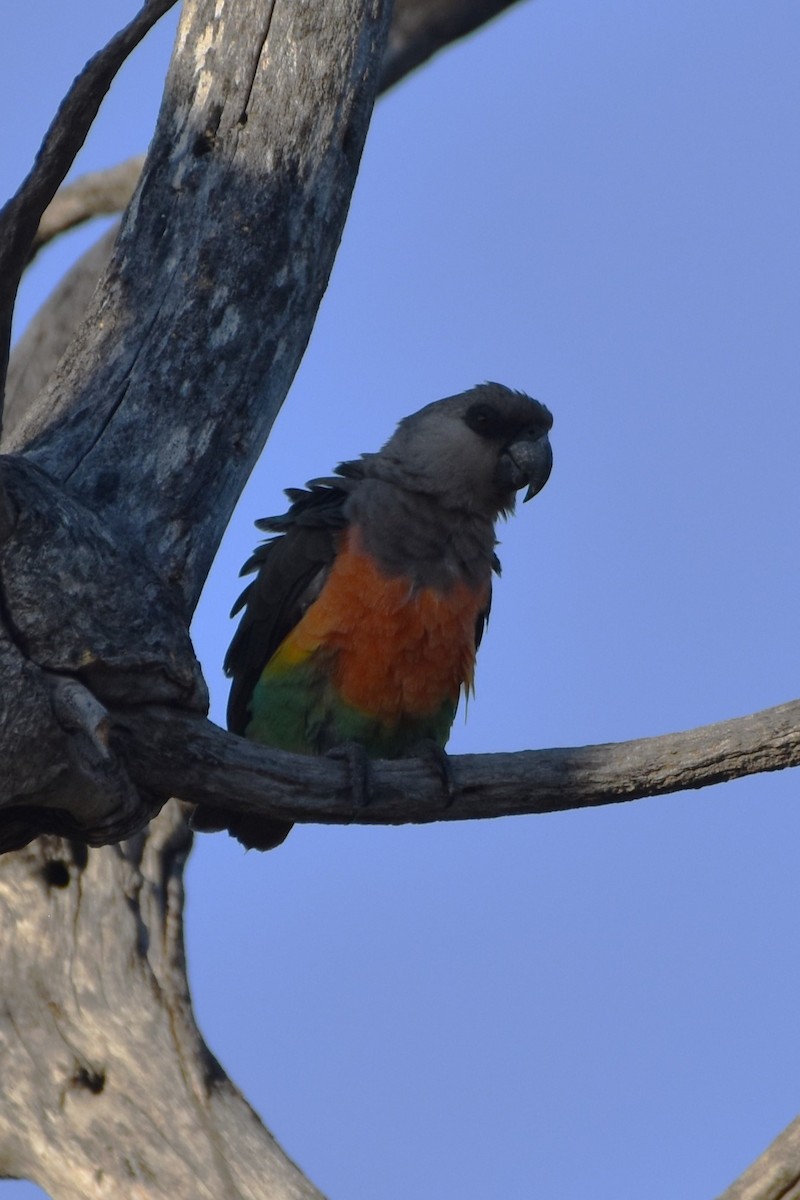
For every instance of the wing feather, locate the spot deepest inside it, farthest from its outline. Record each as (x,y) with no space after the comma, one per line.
(290,572)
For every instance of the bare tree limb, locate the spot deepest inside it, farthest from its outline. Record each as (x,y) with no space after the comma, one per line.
(38,351)
(775,1175)
(419,28)
(176,753)
(84,623)
(422,27)
(99,193)
(171,752)
(255,160)
(257,156)
(417,31)
(19,218)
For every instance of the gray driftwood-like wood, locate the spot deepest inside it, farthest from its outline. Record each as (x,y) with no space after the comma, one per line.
(210,766)
(100,193)
(775,1175)
(85,622)
(165,398)
(422,27)
(107,1087)
(38,351)
(21,215)
(418,30)
(237,216)
(148,432)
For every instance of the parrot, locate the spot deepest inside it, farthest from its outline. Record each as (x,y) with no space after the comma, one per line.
(361,625)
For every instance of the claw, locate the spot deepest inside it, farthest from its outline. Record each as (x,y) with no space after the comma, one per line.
(360,768)
(444,767)
(357,759)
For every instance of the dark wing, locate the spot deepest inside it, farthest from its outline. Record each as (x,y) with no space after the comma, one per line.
(483,616)
(291,569)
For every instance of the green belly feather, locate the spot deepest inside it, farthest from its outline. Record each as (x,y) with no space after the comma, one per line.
(298,710)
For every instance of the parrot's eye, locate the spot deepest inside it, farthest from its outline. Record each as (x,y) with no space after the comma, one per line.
(484,420)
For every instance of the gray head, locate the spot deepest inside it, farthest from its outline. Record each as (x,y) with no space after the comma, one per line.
(472,452)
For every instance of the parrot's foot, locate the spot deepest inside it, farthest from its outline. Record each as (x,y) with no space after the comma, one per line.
(357,759)
(433,752)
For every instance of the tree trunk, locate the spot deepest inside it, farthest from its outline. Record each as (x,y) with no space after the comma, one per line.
(147,435)
(108,1088)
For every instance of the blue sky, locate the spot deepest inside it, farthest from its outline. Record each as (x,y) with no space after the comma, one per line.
(598,204)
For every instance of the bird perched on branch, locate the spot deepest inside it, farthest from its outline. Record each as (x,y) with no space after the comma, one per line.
(368,605)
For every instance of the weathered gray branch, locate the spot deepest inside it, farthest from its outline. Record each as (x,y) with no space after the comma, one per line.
(775,1175)
(418,30)
(39,350)
(254,161)
(171,752)
(189,756)
(84,622)
(19,218)
(310,160)
(99,193)
(237,217)
(422,27)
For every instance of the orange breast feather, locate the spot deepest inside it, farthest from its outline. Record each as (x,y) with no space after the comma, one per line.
(393,650)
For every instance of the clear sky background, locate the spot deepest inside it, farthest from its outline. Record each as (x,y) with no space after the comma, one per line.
(597,203)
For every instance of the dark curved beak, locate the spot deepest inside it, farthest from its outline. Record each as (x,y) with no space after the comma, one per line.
(527,461)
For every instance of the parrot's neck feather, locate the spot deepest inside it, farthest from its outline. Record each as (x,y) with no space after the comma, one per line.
(416,536)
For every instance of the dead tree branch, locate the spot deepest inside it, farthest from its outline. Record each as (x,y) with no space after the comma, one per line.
(420,28)
(417,31)
(168,752)
(775,1175)
(238,217)
(180,754)
(20,217)
(38,351)
(100,193)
